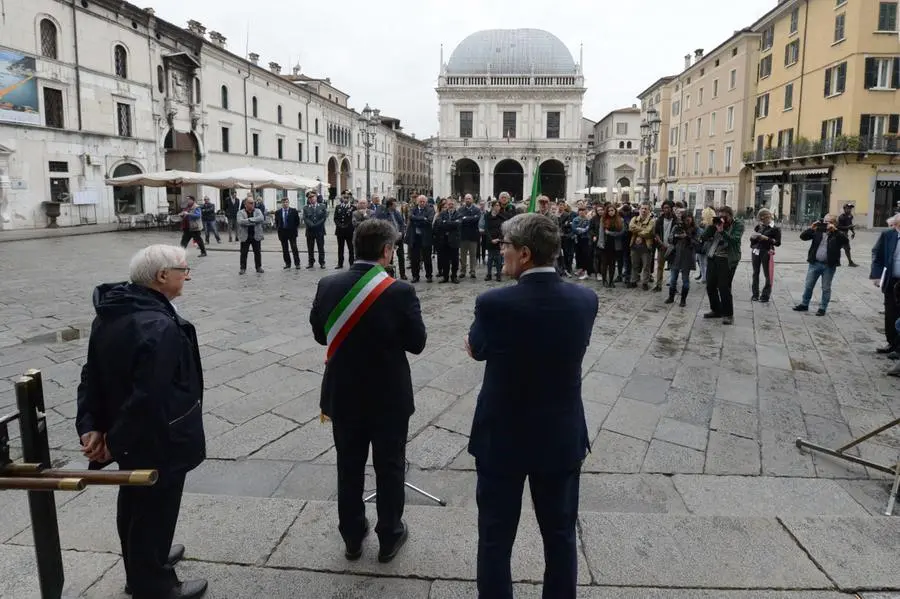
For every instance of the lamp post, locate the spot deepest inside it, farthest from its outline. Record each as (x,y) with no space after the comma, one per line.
(368,123)
(649,138)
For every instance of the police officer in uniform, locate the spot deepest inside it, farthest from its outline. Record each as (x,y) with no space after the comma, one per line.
(343,228)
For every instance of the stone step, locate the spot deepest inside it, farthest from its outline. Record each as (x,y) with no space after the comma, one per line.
(270,547)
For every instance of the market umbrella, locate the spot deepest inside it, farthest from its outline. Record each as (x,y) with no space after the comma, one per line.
(159,179)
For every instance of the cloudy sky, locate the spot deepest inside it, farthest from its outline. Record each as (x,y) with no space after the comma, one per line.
(387,52)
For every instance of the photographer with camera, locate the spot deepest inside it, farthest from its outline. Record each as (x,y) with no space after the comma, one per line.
(763,241)
(824,257)
(845,225)
(723,257)
(684,242)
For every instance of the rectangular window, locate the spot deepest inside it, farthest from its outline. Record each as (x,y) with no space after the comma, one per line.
(765,67)
(882,73)
(840,3)
(732,79)
(785,138)
(684,164)
(59,186)
(226,142)
(676,108)
(696,163)
(621,128)
(673,166)
(712,124)
(835,80)
(53,108)
(711,161)
(299,152)
(687,102)
(715,88)
(887,16)
(768,38)
(729,157)
(762,106)
(684,135)
(700,97)
(465,123)
(552,125)
(788,96)
(673,136)
(280,148)
(874,125)
(839,22)
(792,53)
(509,125)
(832,128)
(729,118)
(699,126)
(317,154)
(255,142)
(795,20)
(123,118)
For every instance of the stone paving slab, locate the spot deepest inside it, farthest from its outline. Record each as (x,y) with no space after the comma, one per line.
(442,589)
(19,579)
(658,550)
(442,544)
(765,496)
(857,553)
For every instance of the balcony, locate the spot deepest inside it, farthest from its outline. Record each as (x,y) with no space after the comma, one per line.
(842,144)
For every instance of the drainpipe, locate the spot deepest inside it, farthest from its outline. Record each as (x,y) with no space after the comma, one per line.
(246,117)
(77,63)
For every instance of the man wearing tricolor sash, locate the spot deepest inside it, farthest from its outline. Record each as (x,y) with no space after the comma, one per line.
(369,321)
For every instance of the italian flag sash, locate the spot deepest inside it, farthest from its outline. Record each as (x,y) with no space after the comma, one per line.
(351,308)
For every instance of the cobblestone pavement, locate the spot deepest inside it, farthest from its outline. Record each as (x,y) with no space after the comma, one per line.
(694,481)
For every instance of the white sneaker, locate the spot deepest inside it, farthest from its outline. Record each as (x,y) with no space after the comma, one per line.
(583,277)
(599,278)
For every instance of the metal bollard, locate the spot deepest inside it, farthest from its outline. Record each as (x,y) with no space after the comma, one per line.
(41,504)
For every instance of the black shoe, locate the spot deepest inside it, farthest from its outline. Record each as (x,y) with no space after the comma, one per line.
(310,267)
(698,277)
(497,278)
(754,298)
(353,551)
(444,280)
(671,298)
(202,255)
(885,350)
(260,271)
(820,312)
(710,315)
(853,264)
(339,266)
(727,320)
(801,308)
(645,286)
(242,271)
(471,275)
(287,267)
(683,301)
(176,554)
(893,356)
(189,589)
(415,280)
(297,266)
(454,280)
(387,554)
(429,279)
(619,279)
(488,277)
(403,277)
(322,266)
(895,371)
(764,299)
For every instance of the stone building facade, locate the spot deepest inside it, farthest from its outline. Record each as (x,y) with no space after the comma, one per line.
(617,139)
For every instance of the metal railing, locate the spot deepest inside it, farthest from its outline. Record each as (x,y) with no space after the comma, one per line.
(803,148)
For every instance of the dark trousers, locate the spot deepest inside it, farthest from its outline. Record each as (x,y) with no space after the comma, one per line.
(351,442)
(493,261)
(568,253)
(761,263)
(448,262)
(419,254)
(317,239)
(401,258)
(718,286)
(257,253)
(232,226)
(608,259)
(583,254)
(555,499)
(186,237)
(211,226)
(289,238)
(345,238)
(891,313)
(146,519)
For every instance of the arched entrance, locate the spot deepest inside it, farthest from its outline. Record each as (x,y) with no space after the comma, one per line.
(553,179)
(509,177)
(128,200)
(624,188)
(345,175)
(332,177)
(467,179)
(182,152)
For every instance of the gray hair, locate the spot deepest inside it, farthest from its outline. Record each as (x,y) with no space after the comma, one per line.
(148,262)
(893,220)
(763,212)
(538,233)
(502,195)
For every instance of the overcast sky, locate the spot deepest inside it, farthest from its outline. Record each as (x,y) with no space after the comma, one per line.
(387,52)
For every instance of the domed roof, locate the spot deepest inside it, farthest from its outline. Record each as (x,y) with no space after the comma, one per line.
(511,52)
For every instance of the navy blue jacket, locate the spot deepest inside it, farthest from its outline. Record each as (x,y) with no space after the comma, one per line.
(529,416)
(883,257)
(142,384)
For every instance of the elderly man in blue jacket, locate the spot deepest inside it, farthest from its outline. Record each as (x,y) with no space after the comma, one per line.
(529,422)
(886,274)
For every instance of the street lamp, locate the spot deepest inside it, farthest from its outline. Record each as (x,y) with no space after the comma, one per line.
(368,123)
(649,137)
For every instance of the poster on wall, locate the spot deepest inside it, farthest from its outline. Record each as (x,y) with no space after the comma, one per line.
(18,89)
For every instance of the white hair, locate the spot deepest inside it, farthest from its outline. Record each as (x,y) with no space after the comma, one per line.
(893,220)
(502,195)
(148,262)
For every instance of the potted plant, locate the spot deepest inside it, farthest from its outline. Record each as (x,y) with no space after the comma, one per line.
(51,209)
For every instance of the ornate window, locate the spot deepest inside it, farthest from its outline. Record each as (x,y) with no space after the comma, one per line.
(120,55)
(49,45)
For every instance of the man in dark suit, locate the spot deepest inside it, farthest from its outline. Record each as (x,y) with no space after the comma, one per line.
(287,222)
(314,216)
(367,388)
(886,274)
(529,422)
(419,237)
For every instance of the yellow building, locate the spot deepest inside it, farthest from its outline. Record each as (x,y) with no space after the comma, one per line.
(657,97)
(711,117)
(827,110)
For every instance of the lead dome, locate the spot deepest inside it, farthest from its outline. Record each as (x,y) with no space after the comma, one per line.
(511,52)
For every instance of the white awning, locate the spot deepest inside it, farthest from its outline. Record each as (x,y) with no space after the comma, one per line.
(762,174)
(808,171)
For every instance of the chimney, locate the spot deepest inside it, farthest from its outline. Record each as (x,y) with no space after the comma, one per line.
(687,61)
(197,28)
(217,39)
(275,68)
(254,58)
(149,11)
(698,54)
(297,70)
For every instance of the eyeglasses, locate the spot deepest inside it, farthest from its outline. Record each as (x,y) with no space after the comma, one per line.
(185,269)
